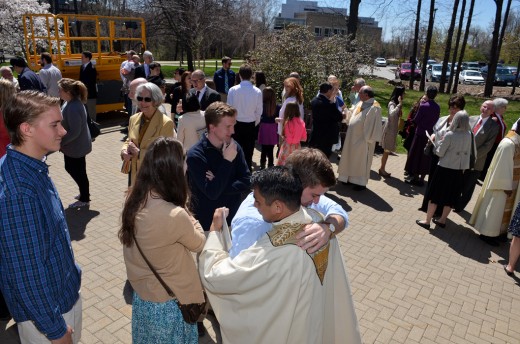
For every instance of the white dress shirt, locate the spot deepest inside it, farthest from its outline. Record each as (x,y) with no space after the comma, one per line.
(247,99)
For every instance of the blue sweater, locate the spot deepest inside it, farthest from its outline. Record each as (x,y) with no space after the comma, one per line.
(225,190)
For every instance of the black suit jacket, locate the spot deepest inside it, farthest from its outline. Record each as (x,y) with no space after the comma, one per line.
(210,96)
(88,76)
(141,73)
(326,119)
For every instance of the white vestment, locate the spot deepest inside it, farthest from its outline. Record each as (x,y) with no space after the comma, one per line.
(364,130)
(269,294)
(488,214)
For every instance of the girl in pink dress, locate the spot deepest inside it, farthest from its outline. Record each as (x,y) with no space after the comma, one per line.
(293,132)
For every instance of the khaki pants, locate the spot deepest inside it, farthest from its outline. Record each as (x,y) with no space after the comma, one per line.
(29,334)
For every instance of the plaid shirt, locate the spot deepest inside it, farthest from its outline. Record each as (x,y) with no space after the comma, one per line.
(38,275)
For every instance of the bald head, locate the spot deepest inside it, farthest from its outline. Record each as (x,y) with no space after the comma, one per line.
(365,93)
(487,108)
(133,86)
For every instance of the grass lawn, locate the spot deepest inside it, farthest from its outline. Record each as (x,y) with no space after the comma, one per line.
(383,90)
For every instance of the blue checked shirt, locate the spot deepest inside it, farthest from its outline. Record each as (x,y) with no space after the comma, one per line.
(38,275)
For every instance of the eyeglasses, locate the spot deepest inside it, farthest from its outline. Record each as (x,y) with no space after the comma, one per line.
(146,99)
(195,80)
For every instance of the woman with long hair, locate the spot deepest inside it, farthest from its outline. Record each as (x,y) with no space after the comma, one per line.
(293,94)
(180,93)
(156,220)
(389,138)
(7,90)
(77,143)
(454,151)
(267,135)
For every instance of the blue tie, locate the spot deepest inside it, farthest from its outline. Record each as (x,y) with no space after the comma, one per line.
(226,84)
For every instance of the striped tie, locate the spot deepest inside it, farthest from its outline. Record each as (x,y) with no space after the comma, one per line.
(226,83)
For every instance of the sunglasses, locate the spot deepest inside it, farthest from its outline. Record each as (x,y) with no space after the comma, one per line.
(146,99)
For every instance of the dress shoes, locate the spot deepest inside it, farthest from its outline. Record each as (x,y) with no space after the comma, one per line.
(423,225)
(384,174)
(509,273)
(440,224)
(489,240)
(359,188)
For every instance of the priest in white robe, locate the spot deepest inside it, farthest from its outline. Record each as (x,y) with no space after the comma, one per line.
(365,129)
(274,291)
(500,193)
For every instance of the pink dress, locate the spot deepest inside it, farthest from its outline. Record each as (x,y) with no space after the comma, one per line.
(294,132)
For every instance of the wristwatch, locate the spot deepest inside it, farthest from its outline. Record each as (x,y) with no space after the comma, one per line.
(331,226)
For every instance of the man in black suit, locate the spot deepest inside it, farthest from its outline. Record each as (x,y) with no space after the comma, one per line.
(326,119)
(88,76)
(485,130)
(143,70)
(205,94)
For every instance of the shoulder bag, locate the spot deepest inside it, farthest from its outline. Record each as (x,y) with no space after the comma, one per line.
(93,127)
(192,312)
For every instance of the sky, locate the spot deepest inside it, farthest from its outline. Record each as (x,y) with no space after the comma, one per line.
(402,12)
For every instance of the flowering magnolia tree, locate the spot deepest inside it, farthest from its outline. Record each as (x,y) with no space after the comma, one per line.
(11,24)
(296,49)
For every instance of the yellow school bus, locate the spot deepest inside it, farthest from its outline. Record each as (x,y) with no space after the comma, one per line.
(65,36)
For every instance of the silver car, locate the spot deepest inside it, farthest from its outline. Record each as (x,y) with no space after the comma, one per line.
(471,77)
(380,62)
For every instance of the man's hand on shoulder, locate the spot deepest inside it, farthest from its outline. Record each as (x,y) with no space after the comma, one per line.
(230,151)
(313,237)
(66,339)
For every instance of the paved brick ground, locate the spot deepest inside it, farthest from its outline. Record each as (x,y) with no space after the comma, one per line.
(410,285)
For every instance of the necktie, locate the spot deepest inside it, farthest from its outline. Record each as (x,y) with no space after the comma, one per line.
(226,84)
(477,127)
(198,94)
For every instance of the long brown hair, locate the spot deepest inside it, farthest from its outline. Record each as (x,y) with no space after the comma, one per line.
(75,88)
(162,173)
(269,101)
(185,89)
(296,89)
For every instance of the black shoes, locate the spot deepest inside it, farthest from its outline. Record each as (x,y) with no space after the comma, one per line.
(509,273)
(440,224)
(359,188)
(489,240)
(423,225)
(201,329)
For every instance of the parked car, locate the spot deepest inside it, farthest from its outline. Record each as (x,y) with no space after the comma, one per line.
(429,63)
(434,73)
(470,66)
(380,62)
(503,76)
(471,77)
(405,70)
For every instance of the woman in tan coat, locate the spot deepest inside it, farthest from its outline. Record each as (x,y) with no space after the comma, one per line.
(156,220)
(144,127)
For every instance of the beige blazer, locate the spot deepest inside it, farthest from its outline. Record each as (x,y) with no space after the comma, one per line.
(191,126)
(160,125)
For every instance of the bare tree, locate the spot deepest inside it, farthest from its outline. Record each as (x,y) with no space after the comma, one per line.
(353,17)
(415,43)
(464,42)
(457,42)
(447,50)
(494,53)
(427,45)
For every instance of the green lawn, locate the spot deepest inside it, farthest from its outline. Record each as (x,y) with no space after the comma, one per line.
(383,90)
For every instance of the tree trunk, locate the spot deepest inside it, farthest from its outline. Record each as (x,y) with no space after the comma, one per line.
(516,79)
(427,45)
(447,50)
(353,18)
(464,42)
(455,52)
(189,57)
(494,53)
(415,43)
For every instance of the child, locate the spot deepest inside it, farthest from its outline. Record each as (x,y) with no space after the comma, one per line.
(293,132)
(267,133)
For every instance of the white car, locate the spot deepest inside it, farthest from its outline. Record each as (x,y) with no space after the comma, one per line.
(380,62)
(471,77)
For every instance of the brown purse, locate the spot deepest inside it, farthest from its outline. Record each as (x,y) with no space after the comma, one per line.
(192,312)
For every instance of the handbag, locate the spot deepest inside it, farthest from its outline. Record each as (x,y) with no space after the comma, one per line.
(93,127)
(428,149)
(192,312)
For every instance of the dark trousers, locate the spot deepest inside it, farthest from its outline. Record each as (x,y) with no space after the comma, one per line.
(128,106)
(267,155)
(77,168)
(468,186)
(245,136)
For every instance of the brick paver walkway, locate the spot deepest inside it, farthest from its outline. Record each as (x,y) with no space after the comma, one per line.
(410,285)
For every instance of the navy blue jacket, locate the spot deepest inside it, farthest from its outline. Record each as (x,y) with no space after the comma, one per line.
(218,78)
(225,190)
(29,80)
(88,76)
